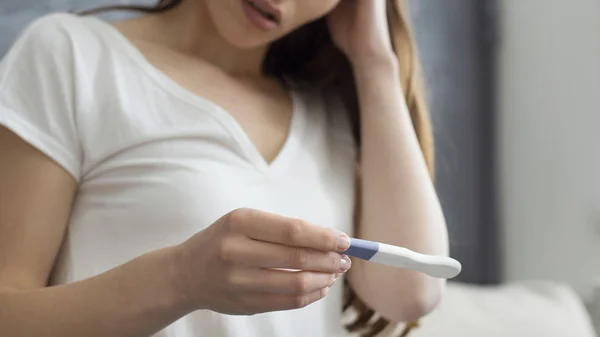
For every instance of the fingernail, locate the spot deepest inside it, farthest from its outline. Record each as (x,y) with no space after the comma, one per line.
(337,276)
(343,242)
(345,264)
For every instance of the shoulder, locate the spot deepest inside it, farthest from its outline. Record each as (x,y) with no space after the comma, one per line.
(55,51)
(51,33)
(45,61)
(52,37)
(42,52)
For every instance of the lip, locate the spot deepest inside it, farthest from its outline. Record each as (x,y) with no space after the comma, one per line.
(257,18)
(269,7)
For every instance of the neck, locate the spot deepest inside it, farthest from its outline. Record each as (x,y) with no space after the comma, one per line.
(189,28)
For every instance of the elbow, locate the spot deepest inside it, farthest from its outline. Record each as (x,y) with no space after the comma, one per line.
(400,296)
(421,304)
(413,305)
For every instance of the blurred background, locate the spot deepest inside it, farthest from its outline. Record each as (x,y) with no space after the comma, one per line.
(514,90)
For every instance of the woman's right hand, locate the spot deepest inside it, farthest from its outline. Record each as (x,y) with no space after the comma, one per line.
(251,262)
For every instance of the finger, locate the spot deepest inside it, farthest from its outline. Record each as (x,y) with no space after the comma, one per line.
(278,302)
(290,232)
(271,255)
(275,281)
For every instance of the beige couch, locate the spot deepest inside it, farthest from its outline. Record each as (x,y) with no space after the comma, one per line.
(533,309)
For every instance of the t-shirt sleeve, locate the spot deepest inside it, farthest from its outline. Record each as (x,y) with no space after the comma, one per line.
(37,92)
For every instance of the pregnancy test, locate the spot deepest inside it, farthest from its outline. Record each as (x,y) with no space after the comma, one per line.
(399,257)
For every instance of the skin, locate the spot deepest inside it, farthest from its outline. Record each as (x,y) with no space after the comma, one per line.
(399,204)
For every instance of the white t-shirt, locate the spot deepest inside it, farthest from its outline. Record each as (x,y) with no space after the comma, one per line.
(156,163)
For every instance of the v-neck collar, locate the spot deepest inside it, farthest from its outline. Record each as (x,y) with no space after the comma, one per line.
(226,119)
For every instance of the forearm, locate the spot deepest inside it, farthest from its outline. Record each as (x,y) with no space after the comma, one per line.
(138,298)
(399,204)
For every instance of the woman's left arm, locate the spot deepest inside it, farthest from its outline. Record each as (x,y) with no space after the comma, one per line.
(399,205)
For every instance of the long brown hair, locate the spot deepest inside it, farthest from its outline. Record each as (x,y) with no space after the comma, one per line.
(309,57)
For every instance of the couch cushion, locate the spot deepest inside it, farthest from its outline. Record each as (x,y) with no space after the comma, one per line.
(518,310)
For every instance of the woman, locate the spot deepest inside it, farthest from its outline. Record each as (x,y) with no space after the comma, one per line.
(177,173)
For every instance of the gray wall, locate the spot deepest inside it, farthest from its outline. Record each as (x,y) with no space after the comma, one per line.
(549,141)
(455,40)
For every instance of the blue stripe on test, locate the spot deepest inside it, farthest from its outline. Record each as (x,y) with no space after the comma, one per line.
(362,249)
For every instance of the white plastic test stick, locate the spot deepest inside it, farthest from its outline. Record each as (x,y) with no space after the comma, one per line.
(399,257)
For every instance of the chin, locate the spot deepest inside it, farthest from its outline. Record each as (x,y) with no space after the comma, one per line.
(242,39)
